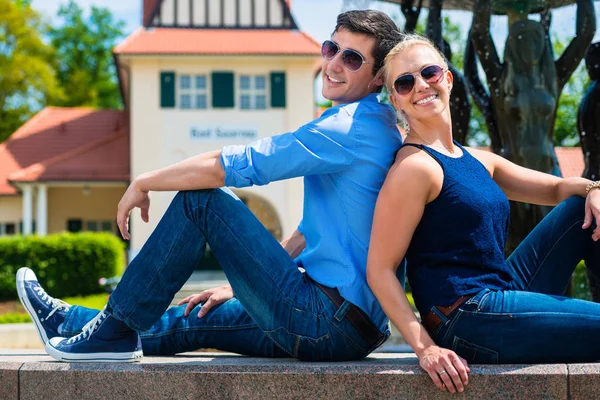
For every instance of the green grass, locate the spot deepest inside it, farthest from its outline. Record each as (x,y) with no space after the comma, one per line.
(409,296)
(97,301)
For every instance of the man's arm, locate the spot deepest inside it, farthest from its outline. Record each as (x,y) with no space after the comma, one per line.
(203,171)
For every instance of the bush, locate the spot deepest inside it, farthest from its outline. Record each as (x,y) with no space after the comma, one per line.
(66,264)
(581,288)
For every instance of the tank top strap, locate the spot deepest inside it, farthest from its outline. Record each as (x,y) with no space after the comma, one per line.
(426,150)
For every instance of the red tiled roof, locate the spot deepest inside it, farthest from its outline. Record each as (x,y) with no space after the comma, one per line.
(218,41)
(67,144)
(570,161)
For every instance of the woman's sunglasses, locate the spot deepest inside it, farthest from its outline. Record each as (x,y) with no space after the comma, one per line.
(352,60)
(404,84)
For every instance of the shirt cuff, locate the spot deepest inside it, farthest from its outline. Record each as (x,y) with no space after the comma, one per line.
(234,159)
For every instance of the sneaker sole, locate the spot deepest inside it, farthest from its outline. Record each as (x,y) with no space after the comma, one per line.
(28,307)
(93,357)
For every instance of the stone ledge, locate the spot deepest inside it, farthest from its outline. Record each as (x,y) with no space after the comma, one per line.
(30,374)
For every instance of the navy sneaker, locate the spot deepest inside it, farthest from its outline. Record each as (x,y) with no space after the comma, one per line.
(103,339)
(46,312)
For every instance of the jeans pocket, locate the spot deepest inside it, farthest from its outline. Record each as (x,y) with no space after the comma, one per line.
(474,353)
(303,347)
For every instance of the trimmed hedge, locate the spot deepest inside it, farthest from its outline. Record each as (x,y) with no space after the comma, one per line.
(66,264)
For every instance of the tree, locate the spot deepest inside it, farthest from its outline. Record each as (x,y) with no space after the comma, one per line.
(84,62)
(565,127)
(27,80)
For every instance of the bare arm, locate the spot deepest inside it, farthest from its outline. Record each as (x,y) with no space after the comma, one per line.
(199,172)
(410,184)
(530,186)
(574,53)
(203,171)
(527,185)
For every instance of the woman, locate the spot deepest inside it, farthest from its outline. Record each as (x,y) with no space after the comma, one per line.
(445,208)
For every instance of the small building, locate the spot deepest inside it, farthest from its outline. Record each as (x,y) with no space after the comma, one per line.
(198,75)
(64,170)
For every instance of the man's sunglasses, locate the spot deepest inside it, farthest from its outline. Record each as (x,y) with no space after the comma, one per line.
(404,84)
(352,60)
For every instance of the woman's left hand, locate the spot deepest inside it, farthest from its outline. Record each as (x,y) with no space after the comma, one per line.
(592,212)
(446,368)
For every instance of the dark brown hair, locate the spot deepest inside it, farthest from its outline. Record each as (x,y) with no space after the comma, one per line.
(373,23)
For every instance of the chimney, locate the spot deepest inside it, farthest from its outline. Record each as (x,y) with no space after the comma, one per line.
(149,6)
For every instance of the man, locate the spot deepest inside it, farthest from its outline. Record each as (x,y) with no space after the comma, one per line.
(327,313)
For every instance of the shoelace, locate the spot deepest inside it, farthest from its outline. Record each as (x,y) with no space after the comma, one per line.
(89,328)
(56,304)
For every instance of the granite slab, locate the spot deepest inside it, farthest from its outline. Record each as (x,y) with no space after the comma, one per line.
(584,381)
(229,376)
(9,379)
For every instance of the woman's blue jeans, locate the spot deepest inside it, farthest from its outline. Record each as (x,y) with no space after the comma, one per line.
(277,311)
(532,322)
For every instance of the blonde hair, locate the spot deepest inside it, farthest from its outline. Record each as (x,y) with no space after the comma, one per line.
(408,41)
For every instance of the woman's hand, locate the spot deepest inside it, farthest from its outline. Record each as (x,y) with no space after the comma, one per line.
(592,212)
(211,297)
(134,197)
(446,368)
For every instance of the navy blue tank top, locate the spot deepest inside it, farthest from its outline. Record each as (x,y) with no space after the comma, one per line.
(458,246)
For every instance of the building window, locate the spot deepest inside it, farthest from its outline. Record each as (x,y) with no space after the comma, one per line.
(8,228)
(253,92)
(193,92)
(100,226)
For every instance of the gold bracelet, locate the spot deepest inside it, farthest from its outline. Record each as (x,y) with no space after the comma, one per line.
(593,185)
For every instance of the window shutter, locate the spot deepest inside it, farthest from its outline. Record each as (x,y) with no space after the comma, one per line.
(167,89)
(222,90)
(277,89)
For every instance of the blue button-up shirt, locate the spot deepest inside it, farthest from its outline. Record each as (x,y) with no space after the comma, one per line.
(344,157)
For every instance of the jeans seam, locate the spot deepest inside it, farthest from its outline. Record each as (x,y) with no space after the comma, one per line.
(550,251)
(211,328)
(451,324)
(530,313)
(125,317)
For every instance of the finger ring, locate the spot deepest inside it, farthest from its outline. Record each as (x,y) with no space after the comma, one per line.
(442,372)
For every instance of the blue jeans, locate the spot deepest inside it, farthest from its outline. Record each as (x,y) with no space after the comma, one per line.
(532,322)
(277,311)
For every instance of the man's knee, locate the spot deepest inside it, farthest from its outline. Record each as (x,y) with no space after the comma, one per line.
(203,196)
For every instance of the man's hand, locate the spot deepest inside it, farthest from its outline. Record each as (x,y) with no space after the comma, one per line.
(133,197)
(446,368)
(592,212)
(211,297)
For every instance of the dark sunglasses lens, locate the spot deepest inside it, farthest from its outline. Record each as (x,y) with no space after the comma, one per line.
(352,60)
(404,84)
(432,73)
(329,49)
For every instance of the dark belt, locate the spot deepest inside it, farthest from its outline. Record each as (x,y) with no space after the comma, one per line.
(357,317)
(431,321)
